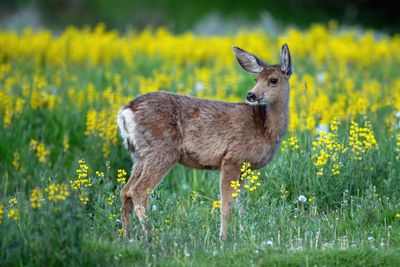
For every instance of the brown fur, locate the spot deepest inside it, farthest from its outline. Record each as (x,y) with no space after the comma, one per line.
(204,134)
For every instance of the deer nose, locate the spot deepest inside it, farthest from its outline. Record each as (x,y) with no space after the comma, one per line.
(251,97)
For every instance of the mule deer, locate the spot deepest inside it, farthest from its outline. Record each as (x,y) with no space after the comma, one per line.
(161,129)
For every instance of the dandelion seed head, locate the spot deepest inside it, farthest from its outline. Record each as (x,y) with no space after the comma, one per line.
(302,199)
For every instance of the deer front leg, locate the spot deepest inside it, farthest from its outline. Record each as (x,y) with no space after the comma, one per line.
(229,172)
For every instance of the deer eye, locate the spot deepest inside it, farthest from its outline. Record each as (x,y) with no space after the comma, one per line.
(273,81)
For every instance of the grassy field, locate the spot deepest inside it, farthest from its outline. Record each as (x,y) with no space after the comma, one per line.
(329,197)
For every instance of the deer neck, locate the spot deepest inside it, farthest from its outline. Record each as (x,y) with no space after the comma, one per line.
(274,118)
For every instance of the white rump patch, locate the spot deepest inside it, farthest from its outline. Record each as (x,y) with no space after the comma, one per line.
(126,125)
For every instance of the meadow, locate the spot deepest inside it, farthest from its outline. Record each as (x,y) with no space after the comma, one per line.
(329,197)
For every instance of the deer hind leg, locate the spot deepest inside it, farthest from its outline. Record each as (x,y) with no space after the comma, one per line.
(229,172)
(126,199)
(154,169)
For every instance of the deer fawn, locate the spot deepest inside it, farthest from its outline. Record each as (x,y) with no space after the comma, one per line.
(161,129)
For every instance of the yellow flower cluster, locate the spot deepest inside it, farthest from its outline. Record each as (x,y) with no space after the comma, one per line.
(248,177)
(236,188)
(100,174)
(110,200)
(213,73)
(102,123)
(283,193)
(112,216)
(14,214)
(334,53)
(361,139)
(40,150)
(16,159)
(10,105)
(120,231)
(334,125)
(57,192)
(65,143)
(40,93)
(82,181)
(121,176)
(36,198)
(1,213)
(292,143)
(83,196)
(327,149)
(12,201)
(217,204)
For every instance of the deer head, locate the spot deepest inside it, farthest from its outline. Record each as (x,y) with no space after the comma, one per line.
(272,81)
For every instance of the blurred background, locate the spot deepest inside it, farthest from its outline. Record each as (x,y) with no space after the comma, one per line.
(206,16)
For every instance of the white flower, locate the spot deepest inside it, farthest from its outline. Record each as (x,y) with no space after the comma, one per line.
(270,243)
(302,199)
(398,114)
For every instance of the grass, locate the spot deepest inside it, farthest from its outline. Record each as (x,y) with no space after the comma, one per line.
(58,210)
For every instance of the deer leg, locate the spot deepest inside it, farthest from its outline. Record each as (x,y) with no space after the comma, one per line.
(229,172)
(127,204)
(153,172)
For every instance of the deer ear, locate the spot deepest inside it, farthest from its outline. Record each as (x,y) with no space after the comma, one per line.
(286,60)
(248,61)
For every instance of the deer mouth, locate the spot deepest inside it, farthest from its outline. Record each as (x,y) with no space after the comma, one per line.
(260,101)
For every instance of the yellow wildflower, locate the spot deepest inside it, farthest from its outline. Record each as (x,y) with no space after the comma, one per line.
(1,213)
(121,176)
(12,201)
(65,143)
(283,193)
(83,196)
(57,192)
(110,200)
(82,179)
(13,214)
(361,139)
(36,198)
(112,216)
(40,150)
(16,160)
(100,174)
(249,178)
(216,204)
(292,143)
(120,231)
(326,149)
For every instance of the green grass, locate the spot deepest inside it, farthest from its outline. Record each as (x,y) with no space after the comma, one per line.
(357,229)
